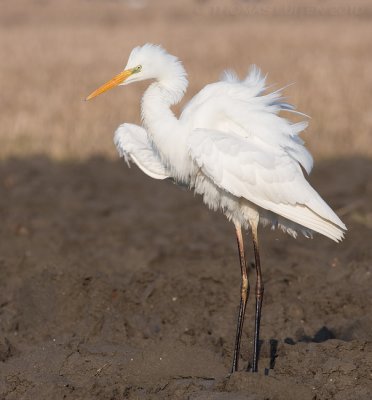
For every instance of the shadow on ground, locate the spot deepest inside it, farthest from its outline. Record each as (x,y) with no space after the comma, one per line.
(117,286)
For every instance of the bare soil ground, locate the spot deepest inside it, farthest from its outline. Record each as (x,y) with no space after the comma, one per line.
(115,286)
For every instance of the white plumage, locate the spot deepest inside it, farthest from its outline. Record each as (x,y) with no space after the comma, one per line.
(231,146)
(133,144)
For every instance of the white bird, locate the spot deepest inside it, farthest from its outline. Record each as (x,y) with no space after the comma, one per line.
(231,146)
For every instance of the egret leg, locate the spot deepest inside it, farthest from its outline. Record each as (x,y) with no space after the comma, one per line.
(259,298)
(244,290)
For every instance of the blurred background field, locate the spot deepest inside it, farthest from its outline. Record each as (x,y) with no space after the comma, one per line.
(53,53)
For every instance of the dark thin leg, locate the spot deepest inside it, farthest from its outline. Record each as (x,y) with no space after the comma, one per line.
(243,297)
(259,298)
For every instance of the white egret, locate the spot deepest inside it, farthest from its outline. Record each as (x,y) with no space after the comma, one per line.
(231,146)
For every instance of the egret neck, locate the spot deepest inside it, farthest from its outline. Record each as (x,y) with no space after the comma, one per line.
(166,131)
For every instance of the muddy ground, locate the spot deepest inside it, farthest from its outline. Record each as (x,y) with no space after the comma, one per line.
(115,286)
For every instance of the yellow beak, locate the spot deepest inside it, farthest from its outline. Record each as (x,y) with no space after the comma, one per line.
(115,81)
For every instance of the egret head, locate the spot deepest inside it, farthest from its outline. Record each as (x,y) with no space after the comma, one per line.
(145,62)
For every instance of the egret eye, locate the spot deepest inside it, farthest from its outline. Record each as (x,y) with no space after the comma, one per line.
(137,69)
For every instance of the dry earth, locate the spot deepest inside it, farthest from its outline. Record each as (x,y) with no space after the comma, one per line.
(115,286)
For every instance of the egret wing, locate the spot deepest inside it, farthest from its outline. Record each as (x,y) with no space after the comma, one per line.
(134,145)
(242,108)
(266,175)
